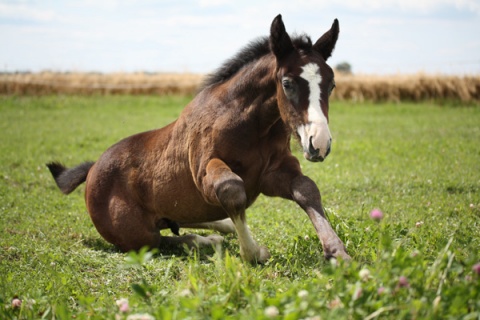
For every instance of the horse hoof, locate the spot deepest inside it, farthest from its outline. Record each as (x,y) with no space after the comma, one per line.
(263,255)
(259,255)
(338,254)
(344,256)
(195,241)
(215,239)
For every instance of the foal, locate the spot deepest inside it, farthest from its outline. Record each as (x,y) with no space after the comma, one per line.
(230,144)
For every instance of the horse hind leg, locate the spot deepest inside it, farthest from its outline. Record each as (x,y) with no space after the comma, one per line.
(224,226)
(191,241)
(122,221)
(133,232)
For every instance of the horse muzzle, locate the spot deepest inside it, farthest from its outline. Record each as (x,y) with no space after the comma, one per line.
(314,155)
(316,141)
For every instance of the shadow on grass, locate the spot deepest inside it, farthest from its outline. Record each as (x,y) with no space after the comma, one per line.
(167,252)
(99,244)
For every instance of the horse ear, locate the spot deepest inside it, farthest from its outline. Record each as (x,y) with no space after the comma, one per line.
(326,43)
(280,42)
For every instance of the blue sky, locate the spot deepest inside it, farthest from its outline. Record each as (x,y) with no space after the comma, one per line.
(381,37)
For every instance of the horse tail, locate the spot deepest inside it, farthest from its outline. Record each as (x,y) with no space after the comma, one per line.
(69,179)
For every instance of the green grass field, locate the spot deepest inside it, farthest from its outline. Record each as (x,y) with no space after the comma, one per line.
(418,163)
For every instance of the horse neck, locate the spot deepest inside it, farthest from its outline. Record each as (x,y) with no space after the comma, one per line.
(254,87)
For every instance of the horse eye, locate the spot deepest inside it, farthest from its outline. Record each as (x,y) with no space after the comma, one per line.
(332,86)
(287,84)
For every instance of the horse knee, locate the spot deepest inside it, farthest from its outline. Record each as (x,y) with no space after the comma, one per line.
(304,191)
(231,195)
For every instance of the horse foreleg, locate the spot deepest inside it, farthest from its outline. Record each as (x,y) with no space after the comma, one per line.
(223,187)
(306,194)
(288,182)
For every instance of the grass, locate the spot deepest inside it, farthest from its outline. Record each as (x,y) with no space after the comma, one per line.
(418,163)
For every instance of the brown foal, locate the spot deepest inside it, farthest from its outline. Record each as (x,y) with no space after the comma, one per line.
(230,144)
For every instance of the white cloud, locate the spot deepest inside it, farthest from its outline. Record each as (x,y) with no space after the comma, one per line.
(198,35)
(421,6)
(212,3)
(25,12)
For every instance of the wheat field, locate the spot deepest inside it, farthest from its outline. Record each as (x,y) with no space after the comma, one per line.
(355,88)
(44,83)
(412,87)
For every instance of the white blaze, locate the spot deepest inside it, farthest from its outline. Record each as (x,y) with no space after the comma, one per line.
(313,77)
(316,128)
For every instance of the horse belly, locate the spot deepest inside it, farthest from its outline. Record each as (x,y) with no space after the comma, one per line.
(187,207)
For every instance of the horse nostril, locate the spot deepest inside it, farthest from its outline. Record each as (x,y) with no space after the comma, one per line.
(329,147)
(311,149)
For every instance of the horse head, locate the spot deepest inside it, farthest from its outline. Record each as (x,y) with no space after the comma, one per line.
(304,83)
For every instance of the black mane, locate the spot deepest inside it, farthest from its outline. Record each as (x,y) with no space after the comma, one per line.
(251,52)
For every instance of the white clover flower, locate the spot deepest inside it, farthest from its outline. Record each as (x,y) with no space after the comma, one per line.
(333,262)
(185,293)
(140,316)
(271,311)
(364,274)
(303,294)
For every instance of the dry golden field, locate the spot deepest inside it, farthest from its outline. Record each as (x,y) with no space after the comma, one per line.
(356,88)
(99,83)
(413,87)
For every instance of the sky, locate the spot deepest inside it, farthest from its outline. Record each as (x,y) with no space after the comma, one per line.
(376,36)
